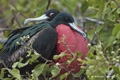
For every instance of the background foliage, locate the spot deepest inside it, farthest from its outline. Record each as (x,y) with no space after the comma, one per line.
(100,19)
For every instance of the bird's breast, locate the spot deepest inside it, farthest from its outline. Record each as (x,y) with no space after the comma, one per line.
(72,40)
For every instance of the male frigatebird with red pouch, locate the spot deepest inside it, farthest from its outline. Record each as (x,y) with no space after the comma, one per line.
(75,39)
(45,37)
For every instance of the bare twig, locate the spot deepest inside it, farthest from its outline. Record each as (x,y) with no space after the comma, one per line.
(87,19)
(23,15)
(16,18)
(11,22)
(94,20)
(49,1)
(4,29)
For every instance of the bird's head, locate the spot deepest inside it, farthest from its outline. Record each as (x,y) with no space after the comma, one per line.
(67,19)
(48,15)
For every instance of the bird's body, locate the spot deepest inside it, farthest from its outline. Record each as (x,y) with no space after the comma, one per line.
(44,39)
(11,51)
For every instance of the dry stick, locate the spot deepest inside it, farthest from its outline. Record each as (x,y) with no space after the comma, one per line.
(23,15)
(94,20)
(49,1)
(4,29)
(16,18)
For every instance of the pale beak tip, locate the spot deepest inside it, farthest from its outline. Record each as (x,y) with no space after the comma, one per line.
(25,22)
(84,36)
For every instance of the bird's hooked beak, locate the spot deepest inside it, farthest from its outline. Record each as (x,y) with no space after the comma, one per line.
(43,17)
(74,27)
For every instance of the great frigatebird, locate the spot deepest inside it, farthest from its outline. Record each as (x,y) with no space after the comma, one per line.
(8,53)
(75,40)
(45,36)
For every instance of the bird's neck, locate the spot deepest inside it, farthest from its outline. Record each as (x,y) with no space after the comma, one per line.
(53,24)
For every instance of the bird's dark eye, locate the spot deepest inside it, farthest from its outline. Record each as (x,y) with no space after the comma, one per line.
(51,14)
(67,19)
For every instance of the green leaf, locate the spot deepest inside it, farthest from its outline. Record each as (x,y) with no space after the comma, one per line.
(7,79)
(111,40)
(29,53)
(22,64)
(55,70)
(38,70)
(79,54)
(34,58)
(15,64)
(41,7)
(83,61)
(104,10)
(113,4)
(99,28)
(64,75)
(90,2)
(118,35)
(116,29)
(2,73)
(118,10)
(45,70)
(116,70)
(104,69)
(84,6)
(59,56)
(91,34)
(101,4)
(79,73)
(15,73)
(103,35)
(69,61)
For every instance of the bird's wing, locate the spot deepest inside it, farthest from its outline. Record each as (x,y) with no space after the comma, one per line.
(10,46)
(43,37)
(13,35)
(45,42)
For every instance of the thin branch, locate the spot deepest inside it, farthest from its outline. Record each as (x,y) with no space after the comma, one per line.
(49,1)
(94,20)
(16,18)
(11,22)
(4,29)
(23,15)
(87,19)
